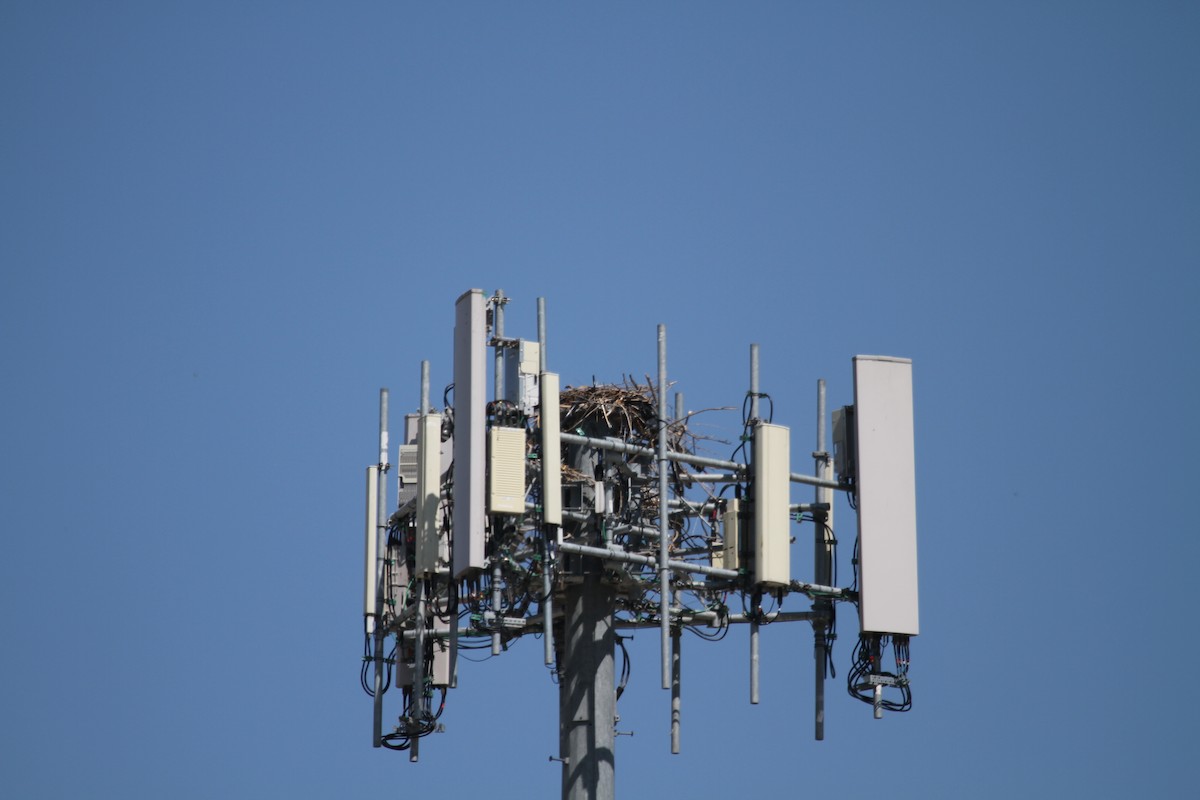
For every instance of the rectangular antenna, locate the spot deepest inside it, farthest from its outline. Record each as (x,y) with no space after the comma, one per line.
(885,484)
(429,492)
(470,422)
(551,451)
(772,511)
(730,533)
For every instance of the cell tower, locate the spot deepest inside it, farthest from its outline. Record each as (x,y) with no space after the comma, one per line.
(572,513)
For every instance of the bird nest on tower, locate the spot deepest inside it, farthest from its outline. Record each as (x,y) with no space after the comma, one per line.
(627,411)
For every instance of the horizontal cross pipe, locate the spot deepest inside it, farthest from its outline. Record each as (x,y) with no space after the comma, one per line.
(648,561)
(617,446)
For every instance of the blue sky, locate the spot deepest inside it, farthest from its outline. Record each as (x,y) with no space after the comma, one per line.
(226,225)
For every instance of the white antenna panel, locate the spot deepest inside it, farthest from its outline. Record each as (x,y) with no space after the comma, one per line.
(470,407)
(772,505)
(551,451)
(429,492)
(887,497)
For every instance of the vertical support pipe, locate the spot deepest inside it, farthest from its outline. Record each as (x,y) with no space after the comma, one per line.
(424,388)
(754,383)
(750,445)
(541,325)
(497,337)
(380,553)
(417,712)
(496,605)
(664,577)
(676,685)
(821,568)
(676,637)
(548,594)
(754,662)
(547,564)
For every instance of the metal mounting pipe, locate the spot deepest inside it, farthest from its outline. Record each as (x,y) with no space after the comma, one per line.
(625,556)
(664,578)
(497,341)
(750,445)
(617,446)
(676,681)
(541,328)
(380,554)
(417,709)
(821,569)
(548,596)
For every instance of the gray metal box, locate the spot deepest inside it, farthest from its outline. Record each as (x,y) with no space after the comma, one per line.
(429,493)
(521,362)
(886,490)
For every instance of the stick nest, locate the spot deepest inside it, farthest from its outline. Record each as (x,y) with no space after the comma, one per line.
(628,411)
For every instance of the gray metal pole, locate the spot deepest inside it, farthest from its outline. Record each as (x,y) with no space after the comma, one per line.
(821,569)
(664,575)
(548,533)
(417,711)
(424,388)
(676,685)
(381,554)
(617,446)
(750,446)
(497,335)
(496,607)
(676,638)
(587,698)
(548,594)
(541,322)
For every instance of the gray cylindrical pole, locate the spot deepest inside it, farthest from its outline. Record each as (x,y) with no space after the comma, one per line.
(541,305)
(497,335)
(424,388)
(496,606)
(381,553)
(754,382)
(587,700)
(754,660)
(821,569)
(750,446)
(547,530)
(417,711)
(664,579)
(548,594)
(676,685)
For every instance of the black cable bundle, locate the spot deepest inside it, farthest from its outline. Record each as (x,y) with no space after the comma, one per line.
(866,662)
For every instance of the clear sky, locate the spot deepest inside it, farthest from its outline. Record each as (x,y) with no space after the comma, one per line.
(223,226)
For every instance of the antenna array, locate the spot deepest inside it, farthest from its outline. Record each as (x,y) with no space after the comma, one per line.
(573,513)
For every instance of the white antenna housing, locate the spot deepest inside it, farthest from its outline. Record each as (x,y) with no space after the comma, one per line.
(885,484)
(772,511)
(551,451)
(470,422)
